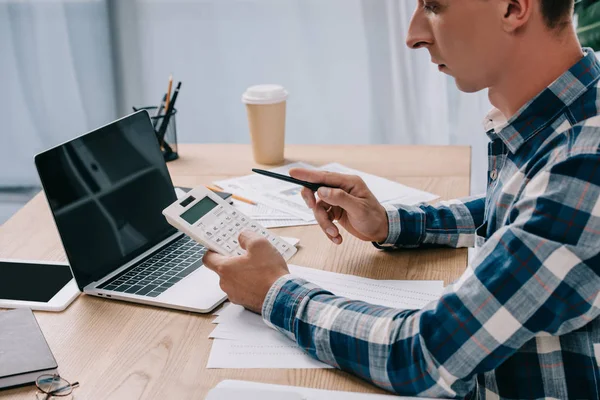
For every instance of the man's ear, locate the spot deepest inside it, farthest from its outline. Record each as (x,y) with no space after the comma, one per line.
(516,13)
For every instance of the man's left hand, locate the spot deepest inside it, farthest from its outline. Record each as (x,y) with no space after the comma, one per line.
(247,279)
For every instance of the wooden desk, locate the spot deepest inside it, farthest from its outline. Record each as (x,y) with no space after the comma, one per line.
(121,350)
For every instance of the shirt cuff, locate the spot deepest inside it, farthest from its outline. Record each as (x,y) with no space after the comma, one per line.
(283,299)
(394,227)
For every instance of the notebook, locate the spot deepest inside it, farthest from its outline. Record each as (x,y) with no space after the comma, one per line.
(24,353)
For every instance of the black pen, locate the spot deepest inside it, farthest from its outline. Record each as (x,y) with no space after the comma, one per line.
(312,186)
(165,123)
(158,110)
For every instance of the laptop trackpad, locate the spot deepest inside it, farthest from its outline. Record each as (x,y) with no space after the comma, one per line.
(200,290)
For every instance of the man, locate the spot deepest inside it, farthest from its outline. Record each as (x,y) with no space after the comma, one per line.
(523,320)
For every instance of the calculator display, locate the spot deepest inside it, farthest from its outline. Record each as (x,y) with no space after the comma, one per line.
(198,210)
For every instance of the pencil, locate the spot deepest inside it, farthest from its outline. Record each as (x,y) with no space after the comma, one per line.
(235,196)
(169,92)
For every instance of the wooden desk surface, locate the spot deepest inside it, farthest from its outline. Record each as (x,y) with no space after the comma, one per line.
(120,350)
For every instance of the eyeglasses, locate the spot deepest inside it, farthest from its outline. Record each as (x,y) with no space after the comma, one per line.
(54,386)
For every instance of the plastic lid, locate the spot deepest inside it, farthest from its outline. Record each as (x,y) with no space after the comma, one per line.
(265,94)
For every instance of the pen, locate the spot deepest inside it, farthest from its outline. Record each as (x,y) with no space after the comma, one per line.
(312,186)
(169,92)
(234,196)
(158,110)
(165,123)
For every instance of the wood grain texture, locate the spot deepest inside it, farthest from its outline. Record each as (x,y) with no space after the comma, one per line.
(120,350)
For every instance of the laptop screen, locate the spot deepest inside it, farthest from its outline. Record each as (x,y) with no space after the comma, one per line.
(107,190)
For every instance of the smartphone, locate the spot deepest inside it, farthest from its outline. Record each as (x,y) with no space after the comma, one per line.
(38,285)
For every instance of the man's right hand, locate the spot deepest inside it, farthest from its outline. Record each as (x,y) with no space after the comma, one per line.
(347,200)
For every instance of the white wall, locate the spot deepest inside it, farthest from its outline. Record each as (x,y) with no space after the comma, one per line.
(74,65)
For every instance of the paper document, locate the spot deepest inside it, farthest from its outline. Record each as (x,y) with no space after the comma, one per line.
(280,195)
(284,197)
(384,189)
(260,211)
(308,393)
(180,193)
(234,354)
(281,223)
(232,393)
(291,240)
(243,340)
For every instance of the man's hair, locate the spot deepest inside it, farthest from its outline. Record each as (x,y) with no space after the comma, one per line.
(557,13)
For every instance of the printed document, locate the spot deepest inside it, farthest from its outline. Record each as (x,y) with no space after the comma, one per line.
(285,198)
(243,340)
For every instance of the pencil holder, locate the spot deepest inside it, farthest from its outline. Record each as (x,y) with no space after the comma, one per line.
(166,135)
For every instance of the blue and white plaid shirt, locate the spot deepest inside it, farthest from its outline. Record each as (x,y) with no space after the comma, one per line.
(523,320)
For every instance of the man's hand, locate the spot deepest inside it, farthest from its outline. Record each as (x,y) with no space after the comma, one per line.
(247,279)
(352,204)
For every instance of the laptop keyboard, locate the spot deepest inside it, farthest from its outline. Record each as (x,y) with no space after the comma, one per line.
(161,271)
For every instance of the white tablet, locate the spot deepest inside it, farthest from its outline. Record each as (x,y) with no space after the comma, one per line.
(38,285)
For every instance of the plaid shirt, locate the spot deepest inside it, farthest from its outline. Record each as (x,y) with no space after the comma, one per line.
(523,320)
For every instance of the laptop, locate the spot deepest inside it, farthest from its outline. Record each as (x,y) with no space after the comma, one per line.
(106,190)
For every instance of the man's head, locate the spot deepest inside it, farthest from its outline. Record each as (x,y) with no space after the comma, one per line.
(475,40)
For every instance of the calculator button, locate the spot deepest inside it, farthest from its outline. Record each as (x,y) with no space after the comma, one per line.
(218,214)
(231,230)
(234,242)
(218,241)
(214,228)
(209,234)
(228,219)
(228,248)
(240,252)
(264,233)
(224,235)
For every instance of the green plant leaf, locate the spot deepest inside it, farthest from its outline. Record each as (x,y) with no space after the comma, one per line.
(588,28)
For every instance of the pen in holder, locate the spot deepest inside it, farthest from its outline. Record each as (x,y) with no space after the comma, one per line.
(165,130)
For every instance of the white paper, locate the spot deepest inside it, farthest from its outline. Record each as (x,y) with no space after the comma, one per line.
(309,393)
(291,240)
(248,182)
(282,223)
(384,189)
(260,211)
(243,340)
(179,193)
(232,393)
(234,354)
(285,197)
(396,294)
(280,195)
(242,334)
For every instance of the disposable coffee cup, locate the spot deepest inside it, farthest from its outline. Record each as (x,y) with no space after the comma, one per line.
(265,105)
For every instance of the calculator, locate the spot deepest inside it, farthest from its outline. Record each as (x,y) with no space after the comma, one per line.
(214,223)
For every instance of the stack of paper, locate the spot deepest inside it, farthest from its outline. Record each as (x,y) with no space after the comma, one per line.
(243,340)
(233,387)
(280,203)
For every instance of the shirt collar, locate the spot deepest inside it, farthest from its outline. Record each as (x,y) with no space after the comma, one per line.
(543,109)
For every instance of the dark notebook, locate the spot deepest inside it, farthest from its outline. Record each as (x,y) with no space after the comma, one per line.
(24,353)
